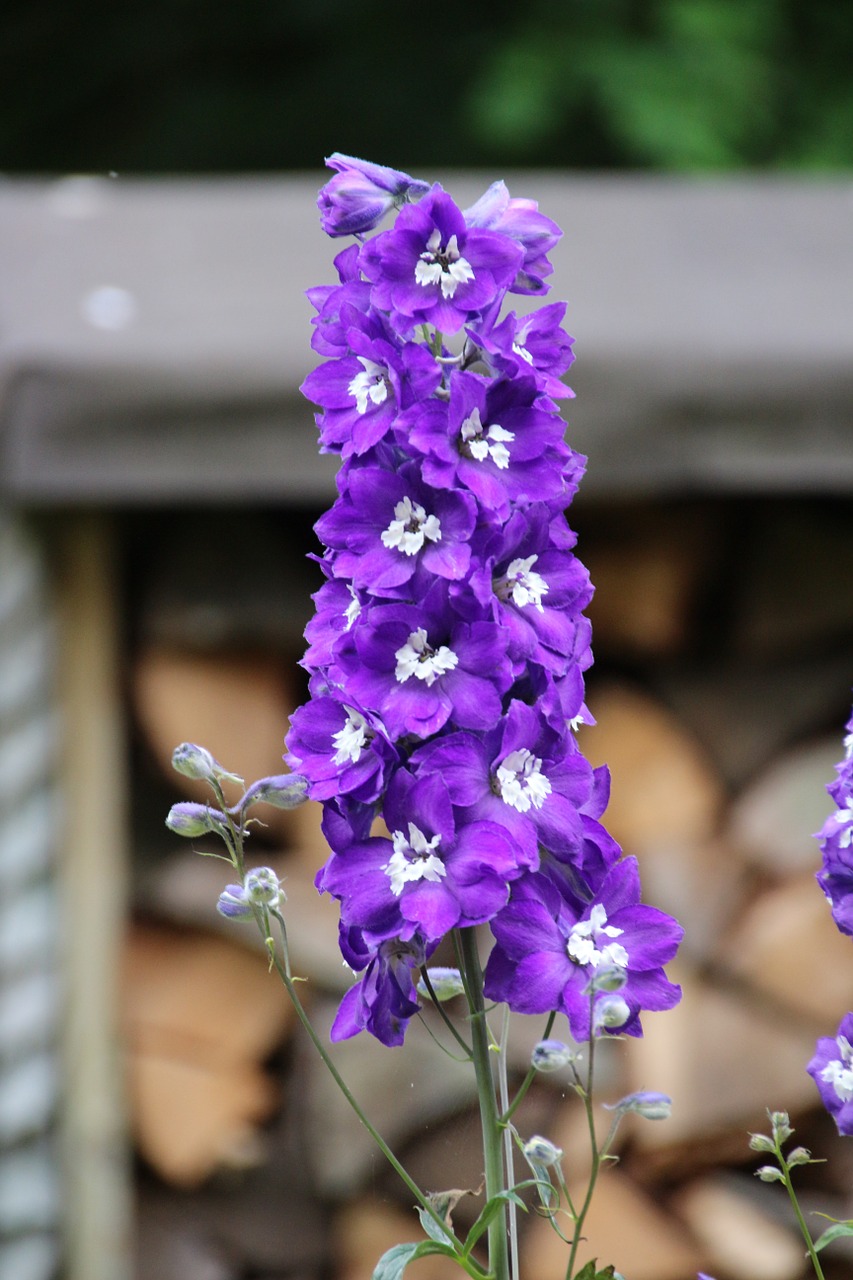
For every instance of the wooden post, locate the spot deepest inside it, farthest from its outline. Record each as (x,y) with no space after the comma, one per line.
(93,871)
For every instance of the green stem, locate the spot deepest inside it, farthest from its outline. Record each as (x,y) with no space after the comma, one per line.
(596,1159)
(801,1222)
(528,1079)
(472,976)
(282,967)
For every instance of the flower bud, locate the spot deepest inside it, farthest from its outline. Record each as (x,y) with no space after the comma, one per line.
(760,1142)
(360,194)
(283,791)
(189,820)
(540,1153)
(445,983)
(649,1105)
(234,904)
(552,1055)
(800,1155)
(608,977)
(767,1173)
(263,887)
(610,1012)
(194,761)
(781,1125)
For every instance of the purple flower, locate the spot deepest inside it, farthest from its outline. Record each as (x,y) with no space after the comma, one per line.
(493,438)
(534,588)
(418,667)
(521,774)
(393,534)
(337,305)
(361,193)
(384,999)
(520,220)
(431,269)
(550,945)
(434,874)
(831,1068)
(340,750)
(535,344)
(363,391)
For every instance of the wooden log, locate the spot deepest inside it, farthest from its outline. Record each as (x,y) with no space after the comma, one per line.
(234,704)
(665,790)
(740,1240)
(201,1014)
(723,1061)
(625,1227)
(774,819)
(785,947)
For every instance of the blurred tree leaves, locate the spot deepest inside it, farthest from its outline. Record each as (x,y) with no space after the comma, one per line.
(259,85)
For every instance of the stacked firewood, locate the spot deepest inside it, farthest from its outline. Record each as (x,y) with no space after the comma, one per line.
(724,644)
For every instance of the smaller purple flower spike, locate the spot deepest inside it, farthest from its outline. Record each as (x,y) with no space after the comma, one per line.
(836,842)
(831,1068)
(360,194)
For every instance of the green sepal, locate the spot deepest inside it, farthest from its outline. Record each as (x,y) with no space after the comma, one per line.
(835,1232)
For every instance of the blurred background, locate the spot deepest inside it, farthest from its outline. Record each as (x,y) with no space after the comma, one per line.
(158,484)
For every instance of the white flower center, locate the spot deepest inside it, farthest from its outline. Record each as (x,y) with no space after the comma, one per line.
(522,352)
(479,443)
(587,943)
(351,739)
(417,659)
(521,782)
(410,528)
(521,584)
(844,818)
(353,609)
(840,1073)
(445,267)
(414,858)
(369,385)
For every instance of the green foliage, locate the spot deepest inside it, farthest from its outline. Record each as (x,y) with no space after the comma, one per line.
(676,85)
(589,1273)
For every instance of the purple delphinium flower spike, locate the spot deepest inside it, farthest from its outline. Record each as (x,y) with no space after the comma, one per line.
(446,657)
(836,842)
(831,1068)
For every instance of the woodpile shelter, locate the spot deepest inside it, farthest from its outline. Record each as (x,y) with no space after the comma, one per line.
(159,476)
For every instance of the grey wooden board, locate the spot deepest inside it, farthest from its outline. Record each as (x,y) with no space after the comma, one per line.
(153,334)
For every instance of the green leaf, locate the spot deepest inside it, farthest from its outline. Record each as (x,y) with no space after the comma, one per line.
(834,1233)
(393,1263)
(589,1272)
(433,1230)
(490,1208)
